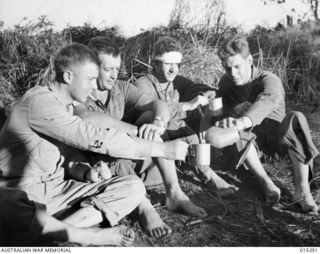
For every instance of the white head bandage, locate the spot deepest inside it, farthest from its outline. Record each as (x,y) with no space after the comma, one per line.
(169,57)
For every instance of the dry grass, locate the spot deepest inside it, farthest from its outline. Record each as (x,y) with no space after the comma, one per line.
(242,220)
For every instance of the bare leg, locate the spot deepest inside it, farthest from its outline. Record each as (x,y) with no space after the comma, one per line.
(150,220)
(271,191)
(84,217)
(176,199)
(222,187)
(302,193)
(116,236)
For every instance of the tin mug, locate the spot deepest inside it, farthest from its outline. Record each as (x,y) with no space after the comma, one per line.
(199,154)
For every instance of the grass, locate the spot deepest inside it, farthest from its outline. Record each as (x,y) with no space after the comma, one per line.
(242,220)
(293,54)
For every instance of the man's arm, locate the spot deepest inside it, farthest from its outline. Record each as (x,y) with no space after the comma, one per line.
(188,89)
(48,117)
(140,96)
(194,103)
(267,100)
(270,94)
(103,120)
(160,111)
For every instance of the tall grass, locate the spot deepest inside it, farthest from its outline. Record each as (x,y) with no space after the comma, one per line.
(292,53)
(25,54)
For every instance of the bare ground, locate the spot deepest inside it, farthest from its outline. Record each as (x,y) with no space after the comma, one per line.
(243,220)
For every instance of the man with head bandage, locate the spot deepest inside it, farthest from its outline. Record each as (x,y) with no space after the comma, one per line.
(159,84)
(119,101)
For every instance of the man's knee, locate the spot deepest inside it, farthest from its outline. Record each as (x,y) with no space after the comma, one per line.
(292,122)
(134,185)
(220,138)
(294,114)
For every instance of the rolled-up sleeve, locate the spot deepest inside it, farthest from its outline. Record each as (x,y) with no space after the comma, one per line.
(47,116)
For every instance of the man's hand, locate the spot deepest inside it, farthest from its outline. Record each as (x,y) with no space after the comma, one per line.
(210,94)
(150,131)
(231,122)
(241,108)
(176,150)
(195,102)
(100,171)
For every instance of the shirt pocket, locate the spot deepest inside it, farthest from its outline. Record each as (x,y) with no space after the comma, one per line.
(46,156)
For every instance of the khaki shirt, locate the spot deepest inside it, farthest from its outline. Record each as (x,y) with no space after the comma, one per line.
(149,84)
(125,100)
(38,128)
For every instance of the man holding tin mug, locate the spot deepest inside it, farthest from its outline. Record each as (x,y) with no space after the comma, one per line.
(254,100)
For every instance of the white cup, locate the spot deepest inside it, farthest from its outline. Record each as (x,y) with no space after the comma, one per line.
(215,108)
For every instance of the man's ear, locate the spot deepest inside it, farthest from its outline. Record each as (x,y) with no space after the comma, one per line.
(155,65)
(250,59)
(67,77)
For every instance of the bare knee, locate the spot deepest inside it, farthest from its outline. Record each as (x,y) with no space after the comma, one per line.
(219,137)
(295,114)
(134,185)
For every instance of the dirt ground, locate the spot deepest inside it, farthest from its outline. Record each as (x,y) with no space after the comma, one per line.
(244,219)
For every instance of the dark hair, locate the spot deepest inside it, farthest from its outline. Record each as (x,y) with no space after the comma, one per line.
(102,45)
(71,55)
(236,45)
(165,44)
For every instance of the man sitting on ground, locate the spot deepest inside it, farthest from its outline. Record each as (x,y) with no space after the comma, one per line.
(111,102)
(27,223)
(159,85)
(254,100)
(39,128)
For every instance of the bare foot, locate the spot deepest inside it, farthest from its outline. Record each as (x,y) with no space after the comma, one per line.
(152,224)
(306,202)
(179,202)
(222,187)
(272,192)
(116,236)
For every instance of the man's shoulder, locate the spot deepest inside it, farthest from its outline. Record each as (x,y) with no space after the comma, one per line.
(267,77)
(146,78)
(120,82)
(182,81)
(39,94)
(146,81)
(123,87)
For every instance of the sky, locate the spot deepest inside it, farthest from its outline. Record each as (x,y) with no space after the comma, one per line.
(133,15)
